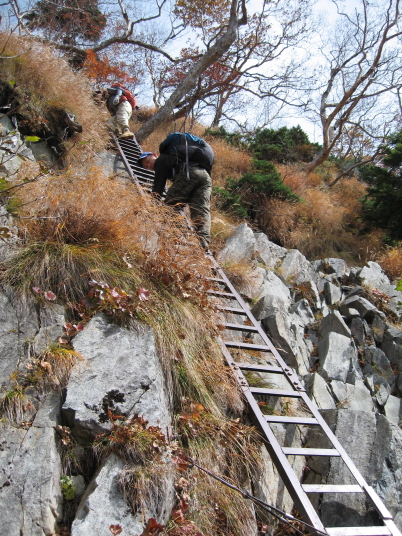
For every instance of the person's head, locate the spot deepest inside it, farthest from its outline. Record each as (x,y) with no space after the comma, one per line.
(147,160)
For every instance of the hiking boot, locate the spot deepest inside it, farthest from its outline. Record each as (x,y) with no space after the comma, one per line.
(127,134)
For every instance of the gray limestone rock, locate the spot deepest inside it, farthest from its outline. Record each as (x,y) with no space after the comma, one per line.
(380,363)
(355,397)
(239,246)
(332,293)
(337,356)
(295,267)
(121,372)
(334,323)
(30,491)
(52,320)
(373,276)
(18,326)
(286,329)
(365,308)
(357,328)
(268,252)
(42,152)
(393,409)
(336,266)
(12,153)
(391,345)
(317,388)
(104,504)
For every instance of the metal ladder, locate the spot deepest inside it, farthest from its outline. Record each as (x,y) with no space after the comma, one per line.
(236,310)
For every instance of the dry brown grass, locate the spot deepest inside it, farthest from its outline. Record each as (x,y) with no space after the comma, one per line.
(92,227)
(48,83)
(325,223)
(391,262)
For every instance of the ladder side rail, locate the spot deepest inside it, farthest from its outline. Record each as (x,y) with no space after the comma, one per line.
(292,378)
(280,460)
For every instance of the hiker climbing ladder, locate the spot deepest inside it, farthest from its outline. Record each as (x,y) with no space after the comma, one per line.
(249,358)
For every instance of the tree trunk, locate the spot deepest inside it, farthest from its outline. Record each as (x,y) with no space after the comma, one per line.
(190,81)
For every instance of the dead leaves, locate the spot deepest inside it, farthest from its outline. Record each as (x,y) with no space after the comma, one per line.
(153,528)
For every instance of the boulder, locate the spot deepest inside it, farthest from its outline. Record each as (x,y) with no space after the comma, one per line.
(295,267)
(391,345)
(332,293)
(336,266)
(378,328)
(121,373)
(373,276)
(393,409)
(366,309)
(334,323)
(355,396)
(317,389)
(379,361)
(240,246)
(268,252)
(337,356)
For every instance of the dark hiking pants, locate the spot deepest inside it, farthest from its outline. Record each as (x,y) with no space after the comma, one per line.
(196,192)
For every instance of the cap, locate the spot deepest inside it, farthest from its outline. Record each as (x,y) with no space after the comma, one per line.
(143,155)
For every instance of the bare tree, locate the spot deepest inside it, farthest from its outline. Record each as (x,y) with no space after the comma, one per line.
(251,66)
(212,54)
(364,70)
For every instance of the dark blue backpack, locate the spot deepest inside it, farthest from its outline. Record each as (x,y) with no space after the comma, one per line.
(188,148)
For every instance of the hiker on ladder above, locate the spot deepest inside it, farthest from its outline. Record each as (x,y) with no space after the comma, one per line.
(120,103)
(186,160)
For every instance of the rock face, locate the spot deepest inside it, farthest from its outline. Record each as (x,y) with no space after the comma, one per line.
(328,324)
(121,373)
(30,490)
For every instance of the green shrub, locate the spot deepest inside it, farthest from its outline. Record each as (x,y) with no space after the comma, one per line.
(382,203)
(282,145)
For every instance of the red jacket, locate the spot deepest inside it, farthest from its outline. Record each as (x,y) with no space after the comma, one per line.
(127,95)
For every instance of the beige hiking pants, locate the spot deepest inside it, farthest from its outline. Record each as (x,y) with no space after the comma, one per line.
(119,122)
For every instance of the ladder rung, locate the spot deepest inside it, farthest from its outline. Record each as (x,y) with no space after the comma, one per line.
(274,392)
(291,420)
(216,279)
(249,346)
(220,293)
(239,327)
(260,368)
(310,452)
(332,488)
(234,310)
(358,531)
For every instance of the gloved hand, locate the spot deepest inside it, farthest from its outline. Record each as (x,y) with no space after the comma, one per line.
(116,101)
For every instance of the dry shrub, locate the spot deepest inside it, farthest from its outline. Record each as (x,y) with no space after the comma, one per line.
(49,83)
(391,262)
(93,227)
(229,162)
(230,450)
(222,227)
(325,223)
(240,273)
